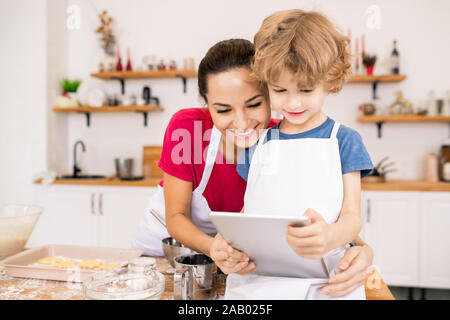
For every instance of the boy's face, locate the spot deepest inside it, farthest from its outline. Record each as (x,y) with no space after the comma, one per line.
(298,106)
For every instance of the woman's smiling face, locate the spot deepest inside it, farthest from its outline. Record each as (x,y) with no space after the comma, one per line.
(238,108)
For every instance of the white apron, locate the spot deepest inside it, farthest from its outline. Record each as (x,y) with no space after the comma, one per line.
(150,232)
(287,177)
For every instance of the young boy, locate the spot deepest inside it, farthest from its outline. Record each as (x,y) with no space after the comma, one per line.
(307,164)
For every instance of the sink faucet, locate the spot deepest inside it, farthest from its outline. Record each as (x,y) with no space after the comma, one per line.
(75,166)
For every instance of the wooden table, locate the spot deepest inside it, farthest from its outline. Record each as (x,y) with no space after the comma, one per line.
(35,289)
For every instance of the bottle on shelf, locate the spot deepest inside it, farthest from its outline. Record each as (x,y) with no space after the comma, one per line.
(395,60)
(129,67)
(119,60)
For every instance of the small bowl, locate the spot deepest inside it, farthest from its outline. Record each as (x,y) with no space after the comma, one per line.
(172,248)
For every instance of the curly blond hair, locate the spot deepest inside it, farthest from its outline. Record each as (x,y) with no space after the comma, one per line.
(306,43)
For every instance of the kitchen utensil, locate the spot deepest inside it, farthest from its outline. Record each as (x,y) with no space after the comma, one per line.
(23,264)
(158,217)
(378,174)
(96,97)
(194,278)
(146,95)
(16,224)
(172,248)
(121,284)
(444,163)
(131,178)
(150,158)
(124,167)
(142,265)
(431,167)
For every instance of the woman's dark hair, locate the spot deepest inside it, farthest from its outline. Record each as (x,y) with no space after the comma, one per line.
(223,56)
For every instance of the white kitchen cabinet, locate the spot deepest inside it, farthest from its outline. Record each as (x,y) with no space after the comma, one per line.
(435,240)
(390,227)
(68,217)
(90,215)
(120,210)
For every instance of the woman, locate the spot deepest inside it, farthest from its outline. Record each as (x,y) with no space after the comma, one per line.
(200,151)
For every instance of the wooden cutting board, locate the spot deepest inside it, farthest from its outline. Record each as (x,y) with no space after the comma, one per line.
(150,158)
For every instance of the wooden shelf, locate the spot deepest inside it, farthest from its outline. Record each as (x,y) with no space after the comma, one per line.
(147,108)
(380,120)
(404,118)
(87,110)
(124,75)
(377,78)
(145,74)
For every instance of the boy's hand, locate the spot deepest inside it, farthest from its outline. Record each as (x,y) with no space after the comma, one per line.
(312,241)
(228,259)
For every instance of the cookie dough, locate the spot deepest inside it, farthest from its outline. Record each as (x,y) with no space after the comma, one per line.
(49,260)
(89,264)
(108,266)
(64,264)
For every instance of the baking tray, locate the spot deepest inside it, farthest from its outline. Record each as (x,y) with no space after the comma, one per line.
(19,265)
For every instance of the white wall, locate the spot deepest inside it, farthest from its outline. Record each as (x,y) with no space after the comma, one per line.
(37,49)
(23,100)
(181,29)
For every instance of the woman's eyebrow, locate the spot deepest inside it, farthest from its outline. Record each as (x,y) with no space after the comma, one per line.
(258,95)
(221,104)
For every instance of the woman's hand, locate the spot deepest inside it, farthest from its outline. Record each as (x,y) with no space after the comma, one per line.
(354,267)
(228,259)
(312,241)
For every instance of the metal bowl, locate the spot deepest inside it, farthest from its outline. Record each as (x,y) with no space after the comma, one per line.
(172,248)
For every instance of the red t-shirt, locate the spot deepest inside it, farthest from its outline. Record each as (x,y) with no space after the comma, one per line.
(190,130)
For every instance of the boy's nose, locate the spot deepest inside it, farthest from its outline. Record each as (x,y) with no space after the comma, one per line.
(295,103)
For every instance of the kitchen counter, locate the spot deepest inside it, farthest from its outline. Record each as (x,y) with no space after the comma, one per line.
(390,185)
(35,289)
(405,185)
(146,182)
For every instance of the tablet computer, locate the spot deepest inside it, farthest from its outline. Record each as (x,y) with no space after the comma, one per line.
(263,239)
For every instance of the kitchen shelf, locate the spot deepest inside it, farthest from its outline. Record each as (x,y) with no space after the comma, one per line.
(380,120)
(123,75)
(376,79)
(88,109)
(379,78)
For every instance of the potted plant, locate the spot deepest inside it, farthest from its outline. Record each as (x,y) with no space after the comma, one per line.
(69,89)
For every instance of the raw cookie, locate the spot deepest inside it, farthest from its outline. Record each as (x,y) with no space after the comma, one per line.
(64,264)
(108,266)
(89,264)
(49,260)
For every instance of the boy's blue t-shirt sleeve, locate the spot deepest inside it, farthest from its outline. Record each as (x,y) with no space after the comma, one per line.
(354,156)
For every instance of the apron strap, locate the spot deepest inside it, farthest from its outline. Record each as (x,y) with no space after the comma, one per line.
(335,130)
(210,159)
(263,137)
